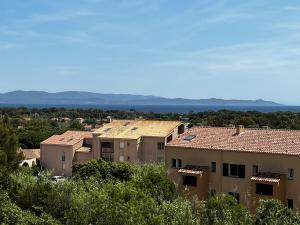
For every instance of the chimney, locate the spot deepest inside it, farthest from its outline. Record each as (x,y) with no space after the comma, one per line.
(108,118)
(240,129)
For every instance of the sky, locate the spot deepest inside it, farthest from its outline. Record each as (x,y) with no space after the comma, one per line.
(229,49)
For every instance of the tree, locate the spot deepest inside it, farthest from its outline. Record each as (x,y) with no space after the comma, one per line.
(9,157)
(224,209)
(273,212)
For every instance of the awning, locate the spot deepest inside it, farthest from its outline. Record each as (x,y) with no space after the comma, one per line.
(267,177)
(196,170)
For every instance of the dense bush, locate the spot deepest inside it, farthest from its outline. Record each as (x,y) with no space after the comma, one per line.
(147,197)
(103,170)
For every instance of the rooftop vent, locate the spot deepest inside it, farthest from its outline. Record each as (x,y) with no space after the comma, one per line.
(126,124)
(240,129)
(189,137)
(135,128)
(62,139)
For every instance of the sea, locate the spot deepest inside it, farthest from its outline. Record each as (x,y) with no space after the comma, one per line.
(166,108)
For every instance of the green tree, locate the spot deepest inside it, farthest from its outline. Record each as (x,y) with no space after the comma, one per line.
(273,212)
(224,210)
(9,157)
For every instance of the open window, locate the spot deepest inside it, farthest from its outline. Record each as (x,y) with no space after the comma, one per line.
(264,189)
(190,181)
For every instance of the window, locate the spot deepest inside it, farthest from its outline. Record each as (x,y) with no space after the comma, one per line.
(236,196)
(213,192)
(122,144)
(63,157)
(290,203)
(160,146)
(189,137)
(170,138)
(264,189)
(121,158)
(179,163)
(213,167)
(254,170)
(190,181)
(176,163)
(233,170)
(290,173)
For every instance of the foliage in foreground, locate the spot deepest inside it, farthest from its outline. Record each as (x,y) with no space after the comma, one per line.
(146,197)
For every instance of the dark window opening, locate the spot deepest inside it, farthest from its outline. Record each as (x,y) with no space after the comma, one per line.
(170,138)
(160,146)
(236,196)
(225,169)
(213,192)
(179,163)
(190,181)
(213,167)
(290,203)
(254,170)
(181,129)
(63,157)
(174,163)
(264,189)
(233,170)
(290,173)
(107,144)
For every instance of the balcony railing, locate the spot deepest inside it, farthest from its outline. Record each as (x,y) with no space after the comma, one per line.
(107,150)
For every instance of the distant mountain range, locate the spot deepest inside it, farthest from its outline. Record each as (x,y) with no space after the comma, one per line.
(88,98)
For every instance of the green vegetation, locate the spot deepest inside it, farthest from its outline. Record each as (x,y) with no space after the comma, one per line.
(35,125)
(145,196)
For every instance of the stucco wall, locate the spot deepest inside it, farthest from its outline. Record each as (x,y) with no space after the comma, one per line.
(51,159)
(265,163)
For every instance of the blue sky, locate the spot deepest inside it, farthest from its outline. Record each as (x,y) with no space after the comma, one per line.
(173,48)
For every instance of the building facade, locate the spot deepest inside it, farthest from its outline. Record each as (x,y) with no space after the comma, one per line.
(249,164)
(134,141)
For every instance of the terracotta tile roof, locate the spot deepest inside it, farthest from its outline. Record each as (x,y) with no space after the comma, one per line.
(68,138)
(134,129)
(269,141)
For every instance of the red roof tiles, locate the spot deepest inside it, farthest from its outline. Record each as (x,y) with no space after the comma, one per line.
(68,138)
(270,141)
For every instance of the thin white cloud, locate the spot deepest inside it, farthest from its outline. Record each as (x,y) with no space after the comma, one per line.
(8,45)
(228,17)
(292,8)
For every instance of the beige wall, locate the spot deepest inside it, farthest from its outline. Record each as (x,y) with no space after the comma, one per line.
(265,163)
(83,156)
(51,156)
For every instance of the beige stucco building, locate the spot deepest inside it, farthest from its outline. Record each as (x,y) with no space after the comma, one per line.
(136,141)
(250,164)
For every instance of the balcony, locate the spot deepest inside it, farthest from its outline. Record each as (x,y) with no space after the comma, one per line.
(266,185)
(195,181)
(107,156)
(107,150)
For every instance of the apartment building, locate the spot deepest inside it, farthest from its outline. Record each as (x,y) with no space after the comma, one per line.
(59,152)
(249,164)
(136,141)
